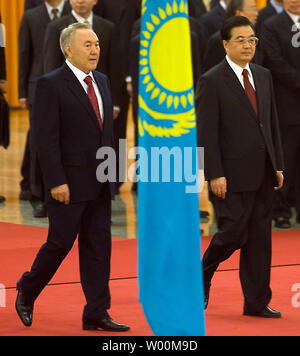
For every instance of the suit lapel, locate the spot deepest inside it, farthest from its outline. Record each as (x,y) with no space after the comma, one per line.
(67,9)
(44,15)
(103,93)
(286,21)
(233,82)
(261,91)
(77,89)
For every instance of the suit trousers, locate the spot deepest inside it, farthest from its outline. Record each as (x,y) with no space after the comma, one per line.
(91,222)
(244,222)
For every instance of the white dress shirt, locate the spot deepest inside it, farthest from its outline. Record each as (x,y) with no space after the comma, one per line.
(295,18)
(223,4)
(80,75)
(239,72)
(60,9)
(277,7)
(83,20)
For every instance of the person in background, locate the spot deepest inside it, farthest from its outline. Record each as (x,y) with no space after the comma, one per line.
(238,127)
(31,41)
(213,20)
(281,42)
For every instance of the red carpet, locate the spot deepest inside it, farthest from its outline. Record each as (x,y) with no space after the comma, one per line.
(58,309)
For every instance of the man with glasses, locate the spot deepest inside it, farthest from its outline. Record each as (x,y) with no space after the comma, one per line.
(238,128)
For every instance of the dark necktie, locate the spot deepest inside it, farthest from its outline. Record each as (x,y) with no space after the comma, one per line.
(250,90)
(55,14)
(93,99)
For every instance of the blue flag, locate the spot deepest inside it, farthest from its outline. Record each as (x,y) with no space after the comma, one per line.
(169,257)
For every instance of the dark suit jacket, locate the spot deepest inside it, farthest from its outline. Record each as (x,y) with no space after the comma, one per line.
(196,9)
(283,60)
(2,64)
(2,54)
(108,63)
(109,10)
(30,4)
(236,142)
(263,15)
(213,20)
(31,42)
(67,133)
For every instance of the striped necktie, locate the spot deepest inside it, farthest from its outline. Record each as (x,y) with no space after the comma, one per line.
(54,14)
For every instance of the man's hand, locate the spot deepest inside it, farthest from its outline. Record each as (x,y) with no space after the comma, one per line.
(129,89)
(23,103)
(61,193)
(116,112)
(219,187)
(280,179)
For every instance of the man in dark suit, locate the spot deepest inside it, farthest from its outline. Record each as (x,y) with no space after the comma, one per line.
(31,40)
(72,119)
(238,128)
(281,34)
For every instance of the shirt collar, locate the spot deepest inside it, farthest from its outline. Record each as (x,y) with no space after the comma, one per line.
(223,4)
(237,69)
(83,20)
(294,17)
(80,75)
(276,6)
(60,8)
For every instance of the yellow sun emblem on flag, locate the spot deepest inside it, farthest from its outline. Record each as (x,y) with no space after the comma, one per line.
(166,76)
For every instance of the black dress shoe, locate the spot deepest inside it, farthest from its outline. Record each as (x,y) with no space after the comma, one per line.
(39,210)
(266,313)
(206,294)
(106,324)
(24,310)
(282,222)
(2,199)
